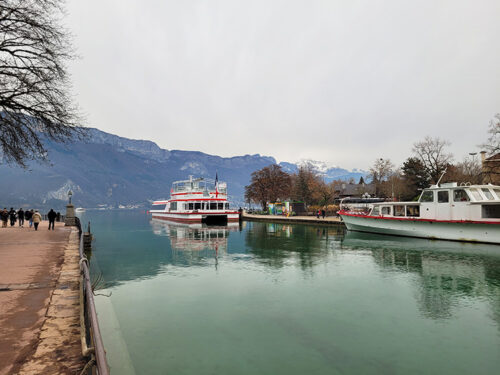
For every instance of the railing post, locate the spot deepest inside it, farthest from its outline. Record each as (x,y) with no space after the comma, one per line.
(95,334)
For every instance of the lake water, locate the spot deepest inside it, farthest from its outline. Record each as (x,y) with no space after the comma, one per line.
(291,299)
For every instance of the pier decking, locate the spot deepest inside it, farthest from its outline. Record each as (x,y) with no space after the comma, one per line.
(39,301)
(329,220)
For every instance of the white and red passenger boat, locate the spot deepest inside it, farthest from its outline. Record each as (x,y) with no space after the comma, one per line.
(468,213)
(196,200)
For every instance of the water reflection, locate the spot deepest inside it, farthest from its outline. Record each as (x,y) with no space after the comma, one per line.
(195,237)
(192,243)
(275,245)
(448,272)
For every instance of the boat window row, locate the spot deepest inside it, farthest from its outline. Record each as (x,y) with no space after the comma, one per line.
(398,210)
(200,206)
(485,194)
(199,185)
(461,195)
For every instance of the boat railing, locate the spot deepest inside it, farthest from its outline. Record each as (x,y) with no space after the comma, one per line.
(91,339)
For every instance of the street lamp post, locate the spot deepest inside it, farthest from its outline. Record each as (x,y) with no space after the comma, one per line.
(473,154)
(70,212)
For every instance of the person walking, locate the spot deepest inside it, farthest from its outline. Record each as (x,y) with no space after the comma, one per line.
(20,217)
(4,216)
(28,215)
(12,216)
(37,218)
(323,212)
(52,218)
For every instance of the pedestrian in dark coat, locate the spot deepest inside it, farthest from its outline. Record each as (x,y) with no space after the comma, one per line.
(52,218)
(12,216)
(28,215)
(323,213)
(5,217)
(20,216)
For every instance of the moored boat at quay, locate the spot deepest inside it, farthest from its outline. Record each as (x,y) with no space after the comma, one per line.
(196,200)
(448,211)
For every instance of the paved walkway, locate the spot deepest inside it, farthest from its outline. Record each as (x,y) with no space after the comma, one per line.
(293,219)
(39,301)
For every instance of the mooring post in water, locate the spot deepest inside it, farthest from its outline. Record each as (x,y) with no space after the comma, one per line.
(87,239)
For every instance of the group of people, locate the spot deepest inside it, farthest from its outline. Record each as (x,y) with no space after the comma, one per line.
(321,212)
(33,217)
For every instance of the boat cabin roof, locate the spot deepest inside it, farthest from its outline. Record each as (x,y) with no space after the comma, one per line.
(469,193)
(197,184)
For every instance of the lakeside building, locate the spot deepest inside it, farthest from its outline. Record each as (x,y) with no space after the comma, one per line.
(345,190)
(490,168)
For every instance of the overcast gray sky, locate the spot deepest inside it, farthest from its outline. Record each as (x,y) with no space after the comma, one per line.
(344,82)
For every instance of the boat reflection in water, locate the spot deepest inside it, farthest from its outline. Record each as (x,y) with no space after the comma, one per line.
(195,240)
(448,273)
(382,241)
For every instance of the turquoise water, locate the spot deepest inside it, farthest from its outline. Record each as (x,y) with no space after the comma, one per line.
(291,299)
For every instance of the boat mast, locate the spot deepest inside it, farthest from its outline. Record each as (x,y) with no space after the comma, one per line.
(442,174)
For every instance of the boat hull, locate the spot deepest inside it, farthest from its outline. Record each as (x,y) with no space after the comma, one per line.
(194,217)
(431,229)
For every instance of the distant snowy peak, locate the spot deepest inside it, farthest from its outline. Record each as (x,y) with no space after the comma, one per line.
(316,165)
(328,171)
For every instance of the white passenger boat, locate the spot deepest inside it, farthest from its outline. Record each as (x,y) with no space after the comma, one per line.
(197,200)
(468,213)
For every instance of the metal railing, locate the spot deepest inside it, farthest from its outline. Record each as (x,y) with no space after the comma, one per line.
(88,318)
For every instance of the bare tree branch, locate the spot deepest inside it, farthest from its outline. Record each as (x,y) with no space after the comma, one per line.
(34,85)
(432,154)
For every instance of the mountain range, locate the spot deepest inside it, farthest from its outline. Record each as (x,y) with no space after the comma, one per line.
(107,170)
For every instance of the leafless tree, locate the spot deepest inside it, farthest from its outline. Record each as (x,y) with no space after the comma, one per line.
(432,153)
(34,86)
(381,170)
(492,145)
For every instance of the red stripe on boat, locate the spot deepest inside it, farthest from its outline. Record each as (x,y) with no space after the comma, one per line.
(345,213)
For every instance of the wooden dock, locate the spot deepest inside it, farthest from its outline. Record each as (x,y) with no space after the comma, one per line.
(39,301)
(329,220)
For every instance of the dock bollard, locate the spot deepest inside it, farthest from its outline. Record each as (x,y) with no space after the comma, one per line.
(87,239)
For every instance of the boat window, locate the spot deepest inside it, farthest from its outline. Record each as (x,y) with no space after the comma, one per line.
(190,206)
(179,187)
(197,206)
(443,196)
(413,211)
(386,210)
(399,210)
(460,195)
(476,194)
(376,211)
(490,211)
(173,206)
(213,206)
(227,206)
(220,206)
(487,193)
(497,193)
(427,196)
